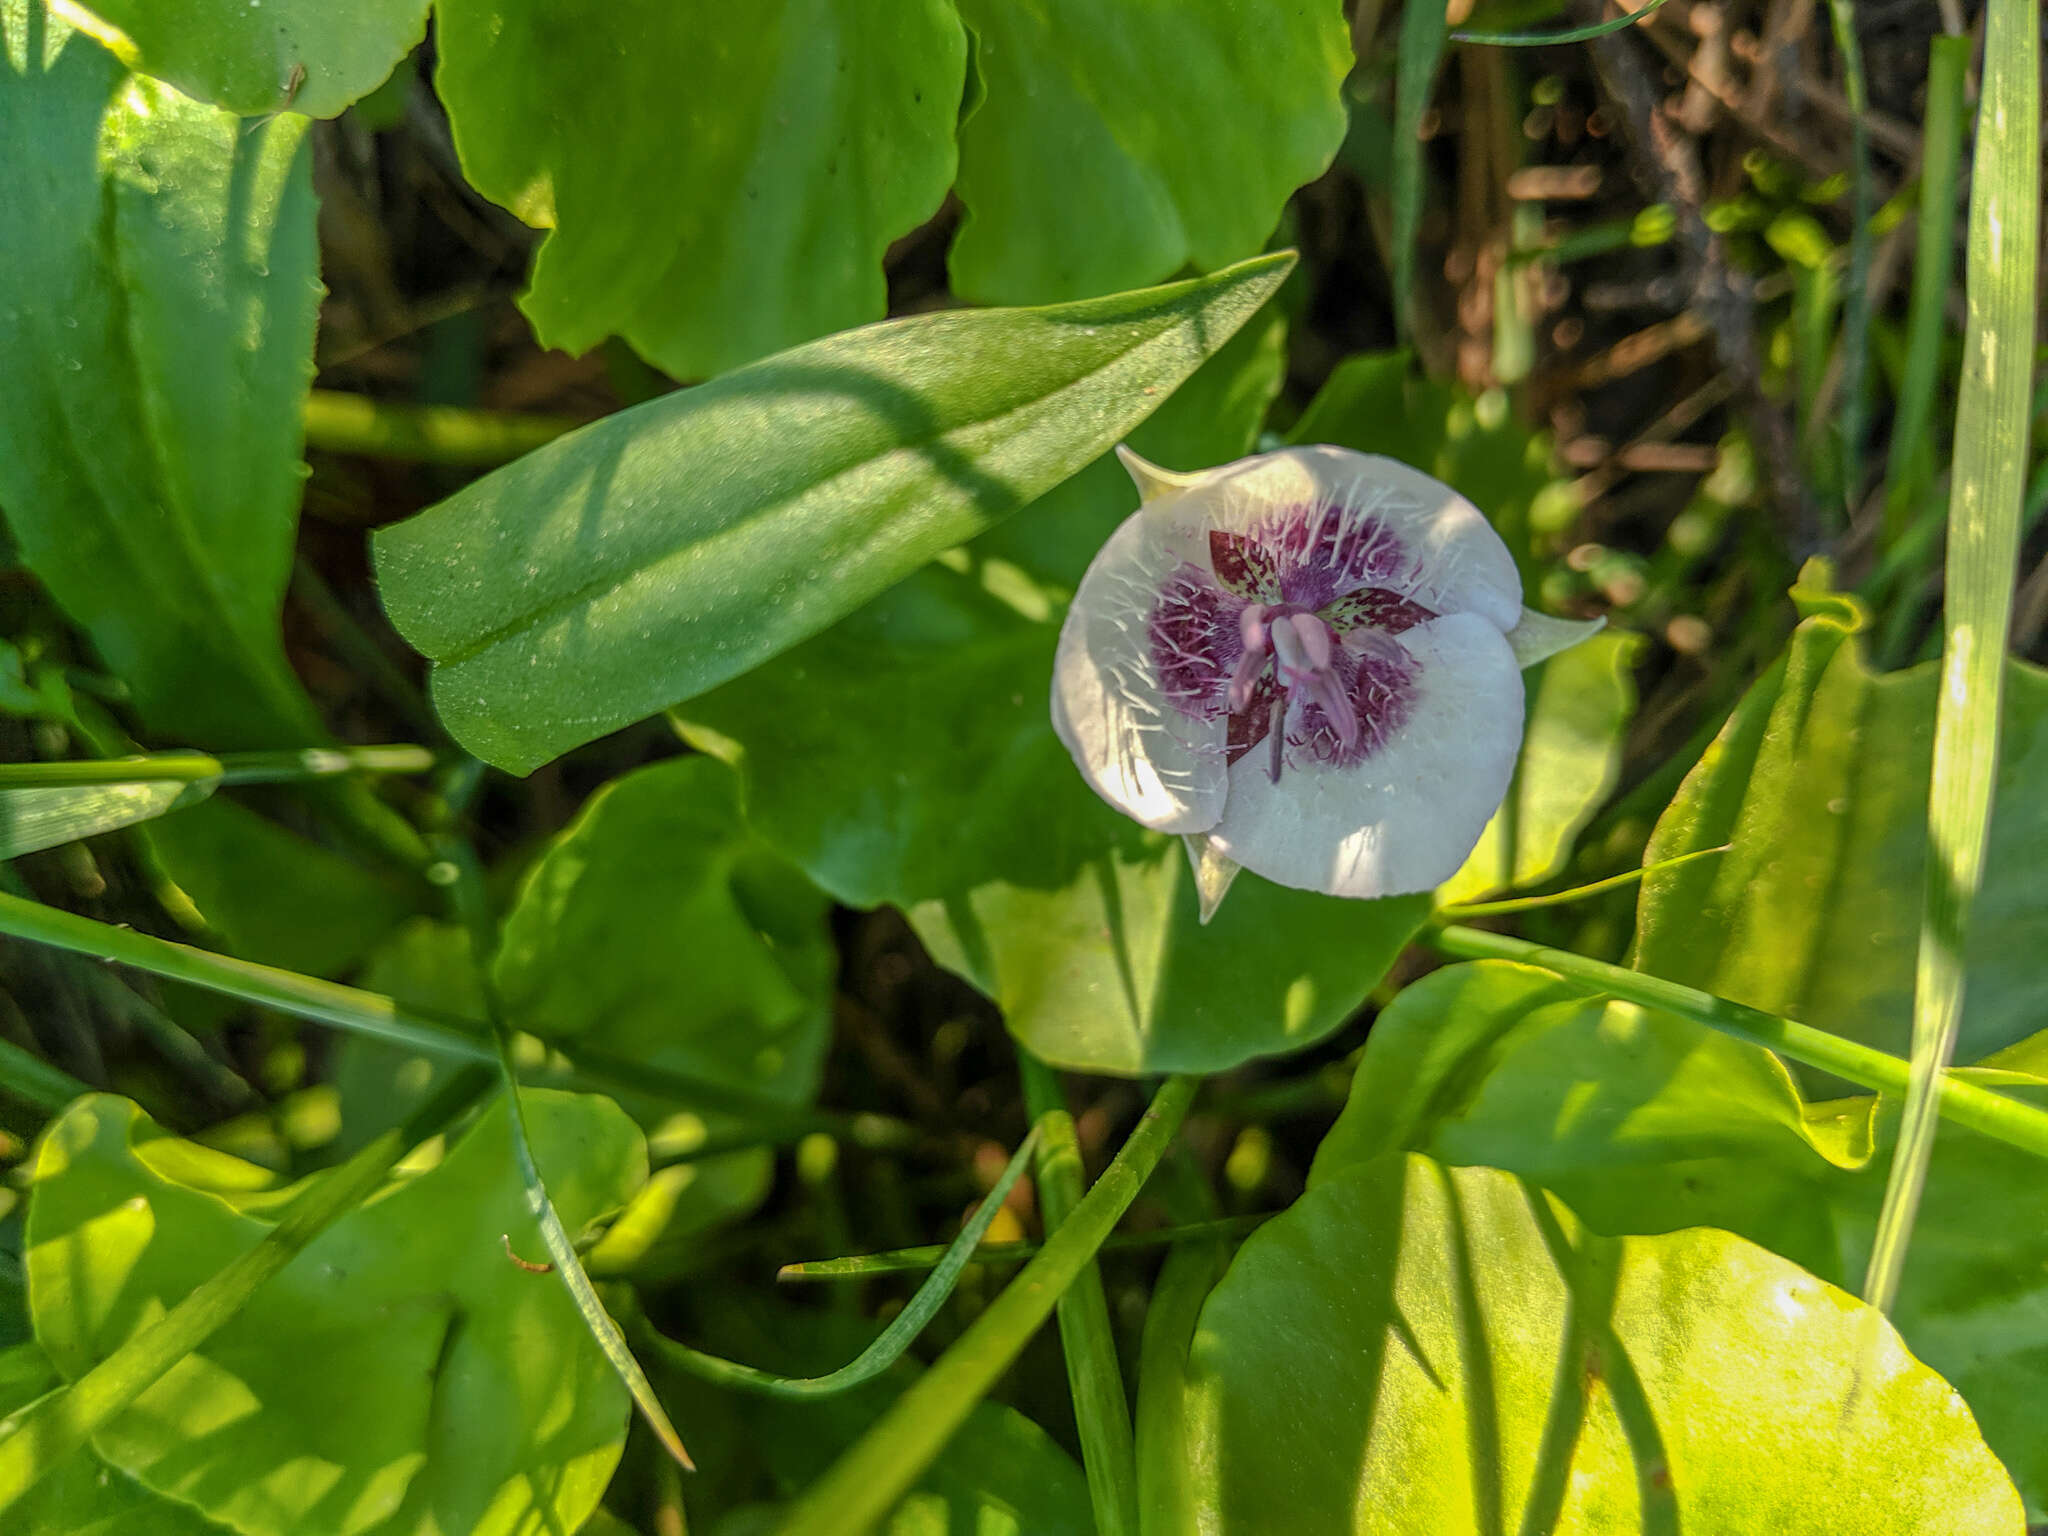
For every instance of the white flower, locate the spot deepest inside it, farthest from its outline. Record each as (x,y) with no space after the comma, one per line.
(1307,662)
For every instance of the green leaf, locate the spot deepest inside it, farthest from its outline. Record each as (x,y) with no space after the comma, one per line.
(402,1377)
(1988,485)
(84,1496)
(1421,51)
(719,184)
(1580,704)
(1820,780)
(1112,971)
(658,928)
(655,554)
(1101,156)
(1415,1348)
(158,284)
(1644,1122)
(312,57)
(34,819)
(273,894)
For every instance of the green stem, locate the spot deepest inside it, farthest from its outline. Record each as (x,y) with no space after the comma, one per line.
(1102,1409)
(434,434)
(383,1018)
(34,1081)
(1567,35)
(229,768)
(866,1483)
(897,1261)
(44,1435)
(1966,1103)
(889,1345)
(1856,295)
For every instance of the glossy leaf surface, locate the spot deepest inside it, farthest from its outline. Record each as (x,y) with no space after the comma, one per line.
(158,283)
(719,183)
(1820,781)
(660,552)
(311,57)
(1644,1123)
(400,1377)
(1412,1348)
(1101,157)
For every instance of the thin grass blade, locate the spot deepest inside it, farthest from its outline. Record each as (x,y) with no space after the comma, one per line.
(1941,154)
(1987,486)
(1421,50)
(1856,293)
(889,1345)
(1583,34)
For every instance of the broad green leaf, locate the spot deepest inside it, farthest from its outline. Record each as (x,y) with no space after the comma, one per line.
(33,819)
(1580,703)
(306,55)
(718,182)
(1112,970)
(1644,1122)
(1820,782)
(273,894)
(1415,1348)
(158,283)
(653,555)
(84,1497)
(401,1377)
(658,928)
(1102,156)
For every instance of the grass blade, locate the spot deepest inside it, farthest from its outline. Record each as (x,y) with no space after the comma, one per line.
(1987,484)
(1856,294)
(1959,1098)
(1102,1408)
(34,819)
(34,1081)
(43,1435)
(568,1269)
(866,1482)
(898,1261)
(892,1341)
(1941,153)
(1584,34)
(1421,50)
(1459,911)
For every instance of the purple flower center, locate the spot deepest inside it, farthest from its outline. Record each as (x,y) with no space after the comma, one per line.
(1292,637)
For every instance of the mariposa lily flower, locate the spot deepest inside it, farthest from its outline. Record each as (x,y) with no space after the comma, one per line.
(1308,663)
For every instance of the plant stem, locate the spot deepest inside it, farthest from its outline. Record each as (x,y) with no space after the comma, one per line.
(435,434)
(1966,1103)
(897,1261)
(866,1482)
(383,1018)
(1102,1410)
(34,1081)
(229,768)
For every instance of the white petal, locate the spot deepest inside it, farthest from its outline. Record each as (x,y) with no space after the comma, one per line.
(1152,480)
(1406,817)
(1213,872)
(1138,752)
(1538,636)
(1454,561)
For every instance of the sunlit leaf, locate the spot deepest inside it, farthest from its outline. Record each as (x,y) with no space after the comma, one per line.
(1819,781)
(306,55)
(1416,1348)
(718,182)
(33,819)
(158,283)
(403,1376)
(660,552)
(1644,1122)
